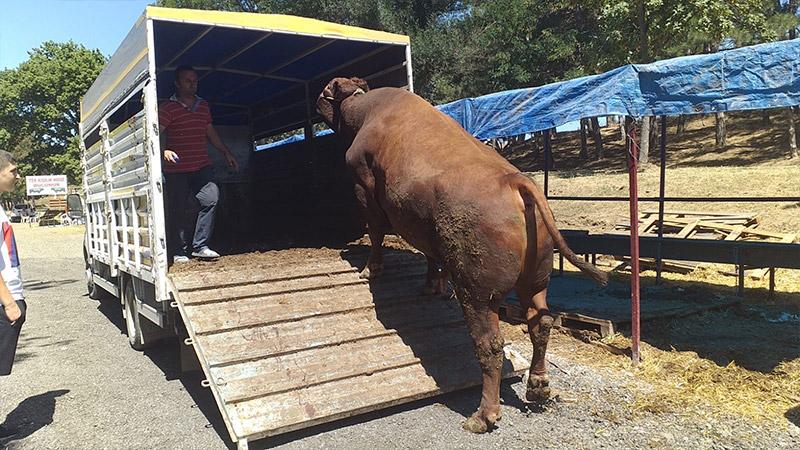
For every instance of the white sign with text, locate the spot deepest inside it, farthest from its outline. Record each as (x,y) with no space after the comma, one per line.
(46,185)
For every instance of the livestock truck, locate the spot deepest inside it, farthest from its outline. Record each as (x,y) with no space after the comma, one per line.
(285,332)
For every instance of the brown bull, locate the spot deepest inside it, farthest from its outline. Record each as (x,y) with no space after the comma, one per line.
(464,206)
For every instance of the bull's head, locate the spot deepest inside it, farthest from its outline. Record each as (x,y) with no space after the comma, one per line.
(329,102)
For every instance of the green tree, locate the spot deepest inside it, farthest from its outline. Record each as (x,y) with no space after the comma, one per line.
(472,47)
(39,116)
(637,31)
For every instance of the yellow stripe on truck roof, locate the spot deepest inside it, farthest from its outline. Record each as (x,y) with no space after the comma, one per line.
(273,22)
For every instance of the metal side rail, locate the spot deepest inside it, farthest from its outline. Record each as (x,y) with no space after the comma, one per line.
(285,347)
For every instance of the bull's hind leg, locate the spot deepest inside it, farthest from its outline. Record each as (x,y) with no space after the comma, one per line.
(539,324)
(482,319)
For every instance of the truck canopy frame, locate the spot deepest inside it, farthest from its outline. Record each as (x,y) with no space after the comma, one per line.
(286,60)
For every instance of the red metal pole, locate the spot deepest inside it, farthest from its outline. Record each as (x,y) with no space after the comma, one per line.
(633,158)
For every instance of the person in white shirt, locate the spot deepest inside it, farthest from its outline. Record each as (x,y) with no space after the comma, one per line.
(12,315)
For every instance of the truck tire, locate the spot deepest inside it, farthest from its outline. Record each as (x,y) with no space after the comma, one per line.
(133,322)
(95,291)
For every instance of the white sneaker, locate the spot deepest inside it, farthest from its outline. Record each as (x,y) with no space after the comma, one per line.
(205,253)
(180,259)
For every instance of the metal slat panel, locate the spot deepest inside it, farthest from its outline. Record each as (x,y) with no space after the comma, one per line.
(131,141)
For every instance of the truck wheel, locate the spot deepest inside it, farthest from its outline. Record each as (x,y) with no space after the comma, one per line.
(132,319)
(95,291)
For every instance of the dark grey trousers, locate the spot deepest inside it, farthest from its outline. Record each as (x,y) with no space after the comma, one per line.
(182,191)
(9,335)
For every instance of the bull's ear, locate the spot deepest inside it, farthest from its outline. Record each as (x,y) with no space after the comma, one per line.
(360,83)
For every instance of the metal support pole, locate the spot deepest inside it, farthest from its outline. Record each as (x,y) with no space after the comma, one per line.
(633,156)
(741,280)
(308,128)
(546,141)
(771,281)
(661,193)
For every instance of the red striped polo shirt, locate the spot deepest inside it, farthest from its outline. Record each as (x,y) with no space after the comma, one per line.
(186,134)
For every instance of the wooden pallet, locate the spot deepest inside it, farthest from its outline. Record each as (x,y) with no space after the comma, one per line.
(59,204)
(704,225)
(731,218)
(513,313)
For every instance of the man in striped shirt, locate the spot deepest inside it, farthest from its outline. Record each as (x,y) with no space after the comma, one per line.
(185,120)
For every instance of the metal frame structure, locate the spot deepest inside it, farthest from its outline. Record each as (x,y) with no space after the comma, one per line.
(633,199)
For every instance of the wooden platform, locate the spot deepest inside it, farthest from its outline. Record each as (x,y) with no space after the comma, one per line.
(288,346)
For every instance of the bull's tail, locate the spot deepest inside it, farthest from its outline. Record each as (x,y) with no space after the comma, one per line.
(532,195)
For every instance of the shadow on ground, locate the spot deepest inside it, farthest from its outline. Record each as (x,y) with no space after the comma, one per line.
(31,415)
(755,333)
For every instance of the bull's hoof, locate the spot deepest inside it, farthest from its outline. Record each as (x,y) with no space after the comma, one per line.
(538,389)
(435,289)
(478,423)
(371,274)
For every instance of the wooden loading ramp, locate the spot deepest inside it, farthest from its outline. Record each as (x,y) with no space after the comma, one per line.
(286,346)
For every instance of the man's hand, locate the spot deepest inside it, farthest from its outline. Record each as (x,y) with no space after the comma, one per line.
(231,160)
(13,312)
(171,157)
(222,148)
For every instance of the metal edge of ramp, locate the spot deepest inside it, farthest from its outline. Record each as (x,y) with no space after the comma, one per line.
(289,347)
(203,363)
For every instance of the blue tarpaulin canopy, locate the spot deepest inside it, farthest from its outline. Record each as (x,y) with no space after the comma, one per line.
(756,77)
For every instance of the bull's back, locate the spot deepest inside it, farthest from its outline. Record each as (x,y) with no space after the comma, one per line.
(446,192)
(418,140)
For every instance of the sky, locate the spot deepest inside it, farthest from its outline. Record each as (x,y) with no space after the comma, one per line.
(101,24)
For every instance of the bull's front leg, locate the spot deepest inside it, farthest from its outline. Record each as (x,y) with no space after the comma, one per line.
(482,319)
(435,278)
(374,267)
(376,226)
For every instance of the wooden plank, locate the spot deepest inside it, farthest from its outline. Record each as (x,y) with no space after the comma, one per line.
(410,277)
(345,398)
(287,337)
(217,317)
(261,273)
(271,288)
(647,224)
(264,377)
(735,233)
(687,230)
